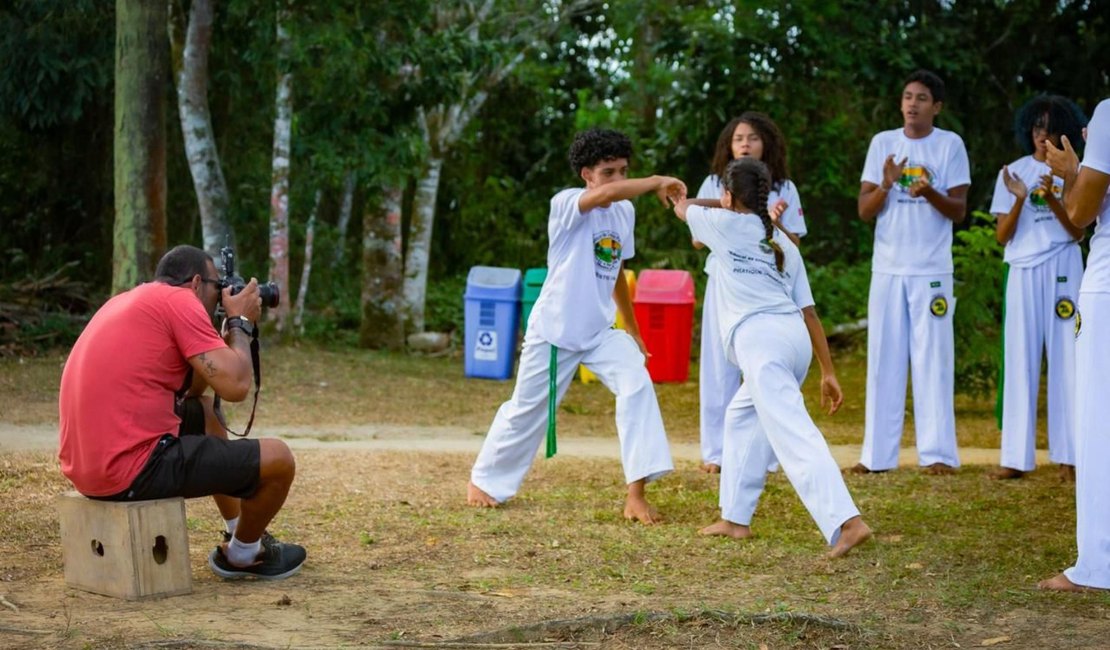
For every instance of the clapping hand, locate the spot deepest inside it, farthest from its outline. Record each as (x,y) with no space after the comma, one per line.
(892,171)
(1014,184)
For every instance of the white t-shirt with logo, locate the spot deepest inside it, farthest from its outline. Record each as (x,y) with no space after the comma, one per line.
(911,236)
(793,218)
(747,281)
(1097,157)
(1039,234)
(584,254)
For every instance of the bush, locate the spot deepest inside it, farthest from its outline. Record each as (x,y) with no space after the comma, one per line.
(977,257)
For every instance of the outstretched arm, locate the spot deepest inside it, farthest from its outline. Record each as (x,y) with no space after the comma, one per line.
(668,189)
(831,395)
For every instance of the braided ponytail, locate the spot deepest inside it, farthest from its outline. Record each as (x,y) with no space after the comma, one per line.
(749,181)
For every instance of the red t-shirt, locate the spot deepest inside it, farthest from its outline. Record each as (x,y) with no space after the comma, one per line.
(119,381)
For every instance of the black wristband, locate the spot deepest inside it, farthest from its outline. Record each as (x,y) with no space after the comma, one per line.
(242,323)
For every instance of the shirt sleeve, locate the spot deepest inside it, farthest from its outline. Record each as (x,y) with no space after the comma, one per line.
(801,293)
(710,188)
(629,248)
(192,329)
(873,165)
(697,218)
(793,219)
(1096,156)
(1003,201)
(564,209)
(958,171)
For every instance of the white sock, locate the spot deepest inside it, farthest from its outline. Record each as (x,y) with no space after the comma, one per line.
(242,553)
(230,525)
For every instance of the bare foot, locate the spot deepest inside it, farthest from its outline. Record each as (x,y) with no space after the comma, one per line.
(1061,583)
(638,509)
(852,533)
(860,468)
(939,469)
(479,499)
(1067,473)
(725,528)
(1005,473)
(711,468)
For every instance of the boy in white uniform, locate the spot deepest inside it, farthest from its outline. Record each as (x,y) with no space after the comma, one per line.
(591,236)
(761,283)
(1043,270)
(914,186)
(754,135)
(1086,198)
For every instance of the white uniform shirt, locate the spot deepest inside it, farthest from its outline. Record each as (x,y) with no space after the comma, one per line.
(584,254)
(911,236)
(1097,157)
(1039,234)
(793,218)
(747,281)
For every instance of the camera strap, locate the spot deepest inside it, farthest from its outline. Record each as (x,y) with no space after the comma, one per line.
(256,364)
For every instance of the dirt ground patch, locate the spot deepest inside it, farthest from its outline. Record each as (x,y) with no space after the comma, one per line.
(397,560)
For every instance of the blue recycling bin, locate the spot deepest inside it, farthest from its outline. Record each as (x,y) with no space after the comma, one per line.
(492,315)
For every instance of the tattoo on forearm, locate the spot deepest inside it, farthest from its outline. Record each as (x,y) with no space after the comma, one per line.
(209,366)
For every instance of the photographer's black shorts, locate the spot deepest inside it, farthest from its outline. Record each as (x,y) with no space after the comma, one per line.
(196,465)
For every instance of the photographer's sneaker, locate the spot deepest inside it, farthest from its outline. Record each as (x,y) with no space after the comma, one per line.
(275,562)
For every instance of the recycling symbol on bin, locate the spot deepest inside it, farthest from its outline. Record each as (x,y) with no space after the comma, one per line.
(485,339)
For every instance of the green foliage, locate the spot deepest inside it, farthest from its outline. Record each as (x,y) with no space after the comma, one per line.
(840,290)
(977,257)
(444,306)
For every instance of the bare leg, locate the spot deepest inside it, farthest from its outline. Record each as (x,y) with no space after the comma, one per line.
(636,507)
(1061,583)
(477,497)
(852,533)
(725,528)
(276,470)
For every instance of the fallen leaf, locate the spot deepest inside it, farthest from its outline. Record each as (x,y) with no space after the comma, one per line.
(995,640)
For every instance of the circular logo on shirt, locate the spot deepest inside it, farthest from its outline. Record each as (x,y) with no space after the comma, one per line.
(1078,323)
(938,306)
(1038,197)
(607,249)
(913,172)
(1065,308)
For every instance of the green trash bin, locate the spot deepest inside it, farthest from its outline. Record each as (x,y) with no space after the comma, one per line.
(533,282)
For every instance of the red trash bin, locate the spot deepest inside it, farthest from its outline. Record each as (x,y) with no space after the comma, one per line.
(664,306)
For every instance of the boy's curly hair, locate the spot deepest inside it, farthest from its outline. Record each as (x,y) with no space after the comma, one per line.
(594,146)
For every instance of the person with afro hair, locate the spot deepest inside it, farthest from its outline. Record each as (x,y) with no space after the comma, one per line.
(1044,268)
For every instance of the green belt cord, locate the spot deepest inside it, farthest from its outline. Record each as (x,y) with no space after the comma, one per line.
(552,397)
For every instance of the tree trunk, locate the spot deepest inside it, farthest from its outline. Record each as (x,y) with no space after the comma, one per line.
(279,194)
(302,290)
(139,231)
(344,219)
(191,71)
(419,246)
(382,325)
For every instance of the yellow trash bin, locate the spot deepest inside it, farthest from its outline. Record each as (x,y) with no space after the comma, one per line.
(584,374)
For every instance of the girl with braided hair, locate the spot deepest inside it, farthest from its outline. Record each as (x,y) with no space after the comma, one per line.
(751,135)
(765,315)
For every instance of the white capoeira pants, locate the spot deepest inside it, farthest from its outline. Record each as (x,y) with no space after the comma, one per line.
(909,322)
(767,419)
(1039,314)
(520,424)
(718,380)
(1092,444)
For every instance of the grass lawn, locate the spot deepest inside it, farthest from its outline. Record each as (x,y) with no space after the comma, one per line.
(396,559)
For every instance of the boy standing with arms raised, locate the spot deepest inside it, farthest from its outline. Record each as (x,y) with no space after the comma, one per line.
(590,233)
(914,187)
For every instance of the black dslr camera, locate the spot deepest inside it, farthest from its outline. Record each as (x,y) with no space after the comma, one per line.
(271,294)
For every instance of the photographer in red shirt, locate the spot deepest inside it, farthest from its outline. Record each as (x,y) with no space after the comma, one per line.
(133,418)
